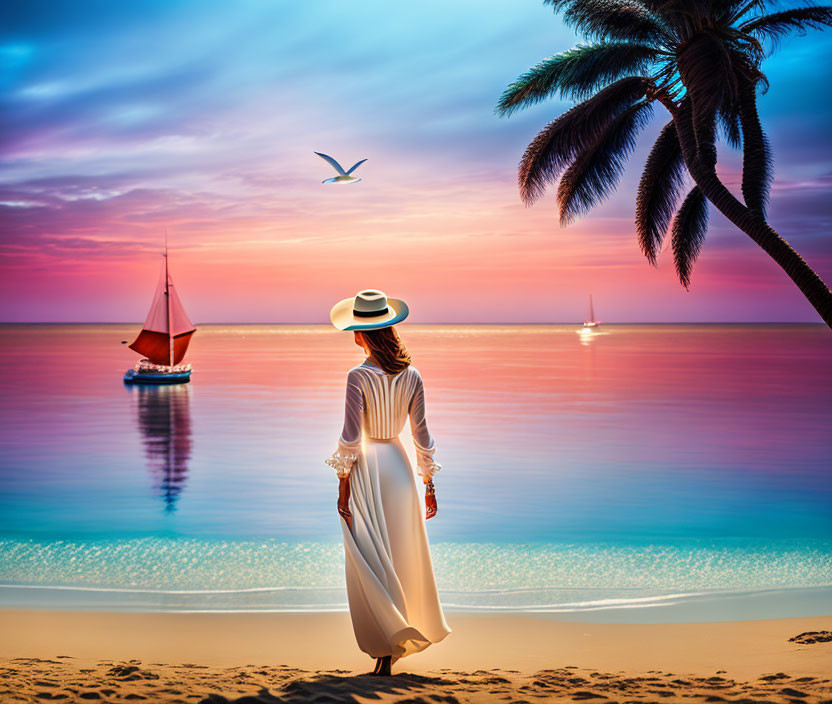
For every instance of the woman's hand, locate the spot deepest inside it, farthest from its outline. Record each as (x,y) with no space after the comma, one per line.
(344,500)
(430,499)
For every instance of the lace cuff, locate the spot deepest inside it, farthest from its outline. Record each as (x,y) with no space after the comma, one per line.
(424,459)
(343,459)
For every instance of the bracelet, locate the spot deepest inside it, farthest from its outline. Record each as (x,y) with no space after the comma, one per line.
(429,488)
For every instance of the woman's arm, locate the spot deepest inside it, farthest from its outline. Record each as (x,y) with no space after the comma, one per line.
(425,446)
(349,445)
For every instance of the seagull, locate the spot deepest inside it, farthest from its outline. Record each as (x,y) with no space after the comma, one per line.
(343,176)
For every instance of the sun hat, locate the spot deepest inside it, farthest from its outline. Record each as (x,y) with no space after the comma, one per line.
(368,310)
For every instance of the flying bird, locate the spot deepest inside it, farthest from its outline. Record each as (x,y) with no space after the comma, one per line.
(343,176)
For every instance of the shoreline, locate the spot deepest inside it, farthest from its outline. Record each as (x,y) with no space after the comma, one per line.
(593,606)
(511,655)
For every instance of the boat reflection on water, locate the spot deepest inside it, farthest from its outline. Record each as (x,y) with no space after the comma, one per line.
(164,416)
(588,335)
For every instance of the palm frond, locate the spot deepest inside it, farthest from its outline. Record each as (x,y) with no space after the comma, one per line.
(706,70)
(743,8)
(680,15)
(732,9)
(757,167)
(623,20)
(576,73)
(728,119)
(658,191)
(598,168)
(777,25)
(557,144)
(689,229)
(708,75)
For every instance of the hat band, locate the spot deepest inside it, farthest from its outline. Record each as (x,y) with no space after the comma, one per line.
(370,313)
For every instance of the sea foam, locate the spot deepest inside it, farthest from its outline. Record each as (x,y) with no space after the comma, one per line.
(189,574)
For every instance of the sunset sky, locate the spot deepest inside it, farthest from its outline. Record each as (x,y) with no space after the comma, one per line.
(119,120)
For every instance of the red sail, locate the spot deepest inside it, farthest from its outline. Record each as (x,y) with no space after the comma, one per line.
(180,345)
(165,320)
(156,346)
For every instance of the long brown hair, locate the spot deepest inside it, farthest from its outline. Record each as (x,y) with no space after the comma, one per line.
(387,349)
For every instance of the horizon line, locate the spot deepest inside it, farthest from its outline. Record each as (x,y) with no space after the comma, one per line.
(530,323)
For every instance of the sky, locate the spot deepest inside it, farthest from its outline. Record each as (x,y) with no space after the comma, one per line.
(120,121)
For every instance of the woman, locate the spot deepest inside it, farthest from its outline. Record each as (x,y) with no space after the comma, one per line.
(390,584)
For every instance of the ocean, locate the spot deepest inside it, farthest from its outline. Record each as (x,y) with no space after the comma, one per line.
(637,473)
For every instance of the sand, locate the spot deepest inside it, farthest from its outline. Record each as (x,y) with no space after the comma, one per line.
(246,658)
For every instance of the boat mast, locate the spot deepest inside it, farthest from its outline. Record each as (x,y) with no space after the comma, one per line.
(167,302)
(591,312)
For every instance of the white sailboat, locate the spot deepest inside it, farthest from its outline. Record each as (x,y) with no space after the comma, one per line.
(164,338)
(591,322)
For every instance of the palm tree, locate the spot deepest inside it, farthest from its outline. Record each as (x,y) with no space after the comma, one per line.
(701,60)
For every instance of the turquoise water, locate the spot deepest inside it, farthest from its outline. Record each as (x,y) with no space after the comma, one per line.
(641,473)
(593,581)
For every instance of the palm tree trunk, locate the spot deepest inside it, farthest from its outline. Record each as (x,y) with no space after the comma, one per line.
(804,277)
(750,222)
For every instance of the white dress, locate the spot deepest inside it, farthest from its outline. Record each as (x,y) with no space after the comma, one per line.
(390,584)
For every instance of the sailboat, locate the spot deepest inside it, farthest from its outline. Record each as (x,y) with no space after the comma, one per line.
(591,322)
(164,338)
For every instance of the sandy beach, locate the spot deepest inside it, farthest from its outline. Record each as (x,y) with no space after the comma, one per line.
(213,658)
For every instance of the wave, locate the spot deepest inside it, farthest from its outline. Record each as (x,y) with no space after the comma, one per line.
(674,606)
(448,598)
(199,575)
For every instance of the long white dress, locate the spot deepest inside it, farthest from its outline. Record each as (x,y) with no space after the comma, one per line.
(392,592)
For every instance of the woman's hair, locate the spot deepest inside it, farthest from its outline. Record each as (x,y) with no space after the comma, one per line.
(387,349)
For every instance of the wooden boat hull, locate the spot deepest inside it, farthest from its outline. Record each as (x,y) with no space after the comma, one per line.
(156,378)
